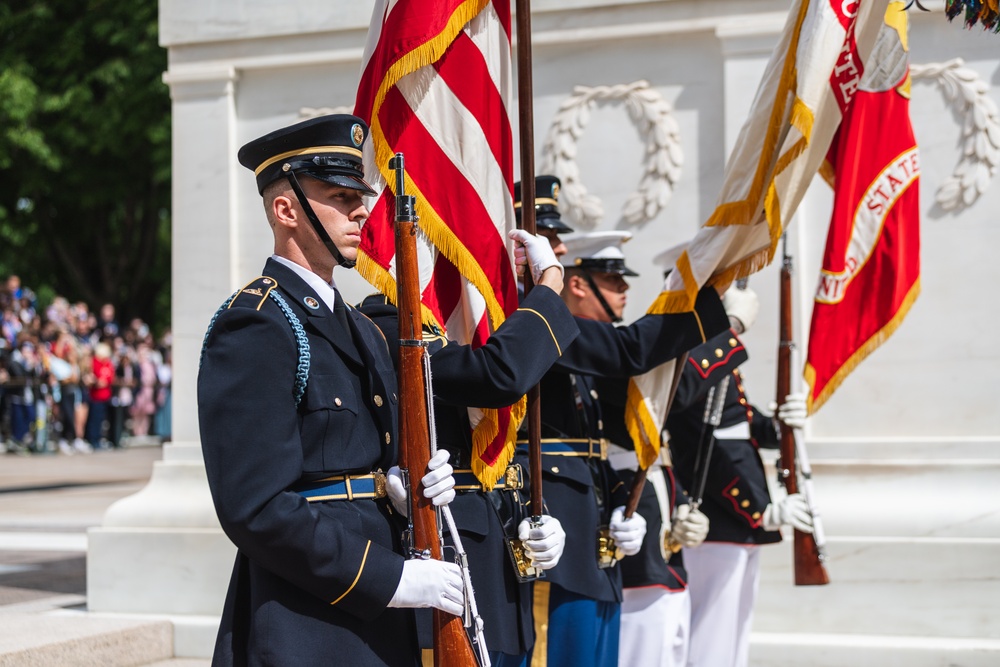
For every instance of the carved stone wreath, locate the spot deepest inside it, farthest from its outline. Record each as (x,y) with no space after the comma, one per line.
(653,116)
(968,95)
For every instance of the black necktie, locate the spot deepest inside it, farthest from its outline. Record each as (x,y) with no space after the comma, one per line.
(340,310)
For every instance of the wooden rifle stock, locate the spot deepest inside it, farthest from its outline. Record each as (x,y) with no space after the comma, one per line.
(808,566)
(452,647)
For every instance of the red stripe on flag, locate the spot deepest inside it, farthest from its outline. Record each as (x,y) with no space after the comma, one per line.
(378,239)
(481,99)
(408,26)
(450,195)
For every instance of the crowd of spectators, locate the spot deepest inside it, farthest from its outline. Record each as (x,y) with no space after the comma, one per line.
(73,381)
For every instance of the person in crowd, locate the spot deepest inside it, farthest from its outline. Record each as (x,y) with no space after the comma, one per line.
(144,405)
(100,387)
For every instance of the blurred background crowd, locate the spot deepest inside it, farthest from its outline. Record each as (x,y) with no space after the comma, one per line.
(73,381)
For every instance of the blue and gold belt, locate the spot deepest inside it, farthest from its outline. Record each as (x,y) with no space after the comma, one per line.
(343,487)
(596,448)
(512,480)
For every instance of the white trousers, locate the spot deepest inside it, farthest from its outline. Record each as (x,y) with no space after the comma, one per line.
(722,581)
(656,625)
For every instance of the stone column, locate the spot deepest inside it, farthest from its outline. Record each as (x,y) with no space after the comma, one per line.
(162,551)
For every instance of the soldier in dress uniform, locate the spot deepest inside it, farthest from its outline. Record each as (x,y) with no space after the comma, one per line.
(656,606)
(297,406)
(724,570)
(577,606)
(495,375)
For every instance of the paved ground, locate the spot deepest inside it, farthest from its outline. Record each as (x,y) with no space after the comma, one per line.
(47,503)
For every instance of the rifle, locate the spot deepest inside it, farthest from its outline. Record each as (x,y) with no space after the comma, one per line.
(808,549)
(452,647)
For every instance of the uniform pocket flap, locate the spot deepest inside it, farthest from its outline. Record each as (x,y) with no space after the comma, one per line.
(322,394)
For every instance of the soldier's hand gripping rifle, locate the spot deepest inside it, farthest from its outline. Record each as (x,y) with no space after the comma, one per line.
(452,647)
(808,548)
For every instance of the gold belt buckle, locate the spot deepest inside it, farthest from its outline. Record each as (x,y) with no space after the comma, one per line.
(604,449)
(513,478)
(608,553)
(380,489)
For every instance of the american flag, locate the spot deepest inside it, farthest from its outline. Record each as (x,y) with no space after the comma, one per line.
(436,86)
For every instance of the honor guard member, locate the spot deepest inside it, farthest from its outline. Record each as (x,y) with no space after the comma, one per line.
(577,606)
(724,570)
(495,375)
(297,406)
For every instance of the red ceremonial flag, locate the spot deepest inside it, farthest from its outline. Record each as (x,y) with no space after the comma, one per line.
(436,86)
(871,267)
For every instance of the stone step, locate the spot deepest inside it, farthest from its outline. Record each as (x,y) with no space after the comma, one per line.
(832,650)
(70,639)
(891,600)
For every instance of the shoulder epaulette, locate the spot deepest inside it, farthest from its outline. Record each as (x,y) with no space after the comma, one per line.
(253,295)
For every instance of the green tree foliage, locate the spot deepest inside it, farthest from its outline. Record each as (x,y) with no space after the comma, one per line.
(85,153)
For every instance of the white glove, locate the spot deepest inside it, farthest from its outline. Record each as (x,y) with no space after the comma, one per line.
(741,304)
(627,533)
(792,510)
(689,527)
(543,544)
(430,583)
(439,484)
(793,411)
(533,251)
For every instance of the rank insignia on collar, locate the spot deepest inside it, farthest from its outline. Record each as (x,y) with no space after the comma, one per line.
(311,302)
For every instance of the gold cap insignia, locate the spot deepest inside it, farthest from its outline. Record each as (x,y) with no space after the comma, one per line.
(357,134)
(555,191)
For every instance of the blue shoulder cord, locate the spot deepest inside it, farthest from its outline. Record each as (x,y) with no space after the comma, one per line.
(301,341)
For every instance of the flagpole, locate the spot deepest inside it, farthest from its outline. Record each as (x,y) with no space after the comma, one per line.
(526,133)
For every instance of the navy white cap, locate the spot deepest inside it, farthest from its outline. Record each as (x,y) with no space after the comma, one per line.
(597,251)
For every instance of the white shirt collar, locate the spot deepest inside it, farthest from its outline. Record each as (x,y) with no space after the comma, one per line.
(325,290)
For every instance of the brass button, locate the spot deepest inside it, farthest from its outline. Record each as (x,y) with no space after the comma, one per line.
(600,424)
(718,353)
(704,363)
(743,401)
(755,515)
(388,438)
(378,401)
(338,402)
(593,394)
(734,492)
(745,504)
(555,469)
(732,342)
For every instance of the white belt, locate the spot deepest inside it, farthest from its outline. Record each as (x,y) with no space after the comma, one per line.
(621,458)
(625,459)
(739,431)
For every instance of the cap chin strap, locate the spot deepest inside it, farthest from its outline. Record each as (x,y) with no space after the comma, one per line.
(600,297)
(320,230)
